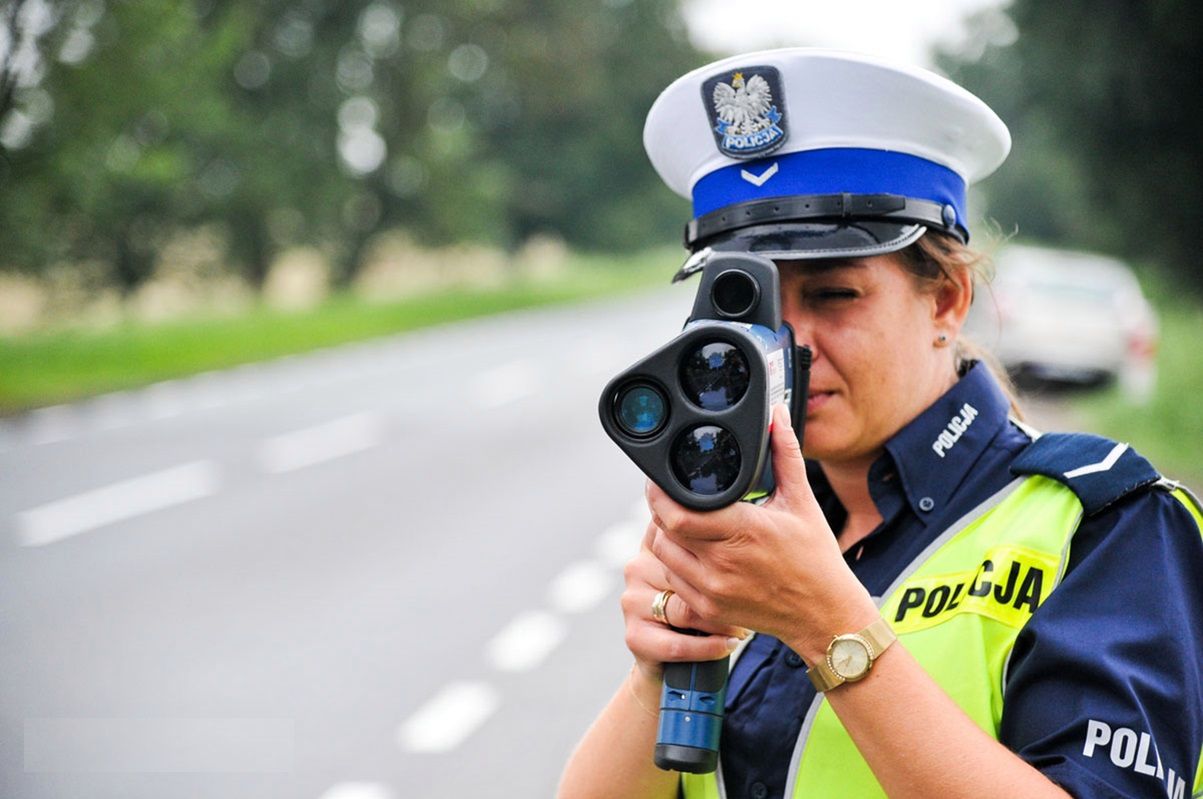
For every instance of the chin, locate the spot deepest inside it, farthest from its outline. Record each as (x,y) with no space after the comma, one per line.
(818,447)
(820,443)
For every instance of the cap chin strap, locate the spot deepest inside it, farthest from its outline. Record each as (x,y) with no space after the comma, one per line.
(829,207)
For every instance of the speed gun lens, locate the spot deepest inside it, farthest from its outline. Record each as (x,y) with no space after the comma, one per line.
(706,459)
(715,376)
(641,410)
(734,293)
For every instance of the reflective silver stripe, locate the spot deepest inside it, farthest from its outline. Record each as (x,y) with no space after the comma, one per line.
(966,520)
(739,650)
(1026,428)
(795,759)
(912,567)
(1174,485)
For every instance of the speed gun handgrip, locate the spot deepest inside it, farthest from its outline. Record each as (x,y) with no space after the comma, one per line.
(691,716)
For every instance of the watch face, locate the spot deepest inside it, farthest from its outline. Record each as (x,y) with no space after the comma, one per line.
(848,657)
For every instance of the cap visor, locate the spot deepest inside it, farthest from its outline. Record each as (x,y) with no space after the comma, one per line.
(813,240)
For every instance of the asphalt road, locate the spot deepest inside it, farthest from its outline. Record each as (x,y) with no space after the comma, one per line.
(379,571)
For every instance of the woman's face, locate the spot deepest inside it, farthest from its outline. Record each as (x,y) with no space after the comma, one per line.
(876,365)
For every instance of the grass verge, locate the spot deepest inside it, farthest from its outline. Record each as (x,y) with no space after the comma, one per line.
(1169,429)
(47,368)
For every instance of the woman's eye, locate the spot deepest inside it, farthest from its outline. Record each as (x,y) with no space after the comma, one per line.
(831,295)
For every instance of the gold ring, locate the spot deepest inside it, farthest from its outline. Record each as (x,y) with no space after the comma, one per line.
(660,604)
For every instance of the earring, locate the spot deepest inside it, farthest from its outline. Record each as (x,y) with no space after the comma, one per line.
(942,340)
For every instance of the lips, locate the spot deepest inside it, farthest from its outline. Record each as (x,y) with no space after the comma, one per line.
(817,399)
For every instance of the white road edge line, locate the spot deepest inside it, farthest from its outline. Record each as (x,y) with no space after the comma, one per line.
(505,384)
(63,518)
(52,424)
(448,718)
(324,442)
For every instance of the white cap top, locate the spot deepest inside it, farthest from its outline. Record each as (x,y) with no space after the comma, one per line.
(819,99)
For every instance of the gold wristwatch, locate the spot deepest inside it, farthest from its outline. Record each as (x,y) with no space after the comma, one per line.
(849,657)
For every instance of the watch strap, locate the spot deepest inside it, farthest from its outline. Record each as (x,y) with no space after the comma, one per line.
(822,677)
(878,636)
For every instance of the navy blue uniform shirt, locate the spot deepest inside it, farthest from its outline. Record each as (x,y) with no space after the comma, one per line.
(1104,690)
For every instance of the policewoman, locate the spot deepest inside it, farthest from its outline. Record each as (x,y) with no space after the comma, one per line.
(937,601)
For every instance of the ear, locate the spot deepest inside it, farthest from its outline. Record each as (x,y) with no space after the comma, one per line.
(951,302)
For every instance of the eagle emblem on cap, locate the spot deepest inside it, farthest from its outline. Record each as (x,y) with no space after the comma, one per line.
(747,122)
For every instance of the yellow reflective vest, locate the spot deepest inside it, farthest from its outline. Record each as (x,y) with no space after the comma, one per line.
(958,609)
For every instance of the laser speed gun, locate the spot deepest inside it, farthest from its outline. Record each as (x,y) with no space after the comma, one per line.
(694,417)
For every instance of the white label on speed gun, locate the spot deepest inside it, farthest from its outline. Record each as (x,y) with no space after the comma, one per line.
(776,377)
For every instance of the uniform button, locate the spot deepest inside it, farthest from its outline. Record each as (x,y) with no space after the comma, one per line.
(759,791)
(927,503)
(793,659)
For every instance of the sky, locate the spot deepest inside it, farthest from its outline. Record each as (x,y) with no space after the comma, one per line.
(902,30)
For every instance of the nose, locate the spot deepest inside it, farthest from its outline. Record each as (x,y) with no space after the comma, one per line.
(802,326)
(814,351)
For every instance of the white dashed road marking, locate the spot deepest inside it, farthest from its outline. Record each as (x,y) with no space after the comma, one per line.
(619,543)
(448,718)
(124,500)
(526,641)
(324,442)
(580,587)
(358,790)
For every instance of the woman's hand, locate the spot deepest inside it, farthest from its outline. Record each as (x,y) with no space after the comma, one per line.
(654,643)
(774,568)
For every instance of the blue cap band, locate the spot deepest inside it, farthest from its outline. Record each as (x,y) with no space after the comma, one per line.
(831,171)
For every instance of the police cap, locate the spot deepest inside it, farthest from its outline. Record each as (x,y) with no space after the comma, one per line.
(808,153)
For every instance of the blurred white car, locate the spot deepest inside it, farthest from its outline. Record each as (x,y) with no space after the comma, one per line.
(1067,317)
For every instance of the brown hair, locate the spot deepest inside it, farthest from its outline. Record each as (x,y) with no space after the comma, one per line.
(933,259)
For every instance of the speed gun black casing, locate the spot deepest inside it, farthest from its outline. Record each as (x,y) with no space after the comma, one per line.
(734,359)
(694,417)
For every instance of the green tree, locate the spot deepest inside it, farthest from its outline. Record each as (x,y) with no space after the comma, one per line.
(321,122)
(1101,101)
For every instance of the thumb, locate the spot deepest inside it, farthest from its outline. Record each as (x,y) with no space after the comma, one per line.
(789,468)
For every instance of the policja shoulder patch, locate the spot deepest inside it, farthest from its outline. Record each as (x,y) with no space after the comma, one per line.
(746,107)
(1098,470)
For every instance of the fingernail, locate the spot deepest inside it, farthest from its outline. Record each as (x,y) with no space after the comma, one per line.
(732,643)
(773,417)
